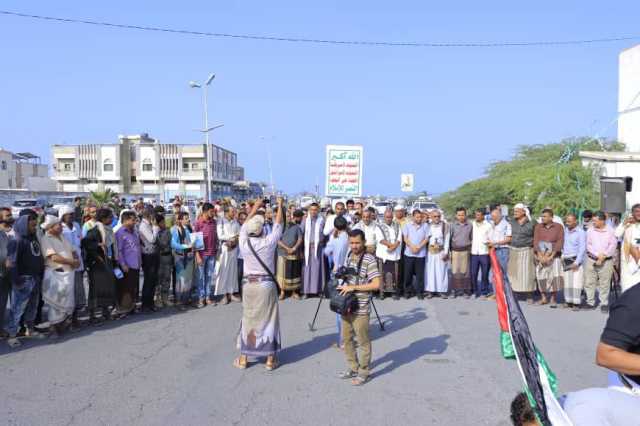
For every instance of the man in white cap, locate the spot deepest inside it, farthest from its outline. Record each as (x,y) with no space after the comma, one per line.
(521,270)
(259,334)
(72,232)
(61,261)
(400,215)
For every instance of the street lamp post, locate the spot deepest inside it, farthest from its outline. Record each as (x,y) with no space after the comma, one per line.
(206,129)
(273,188)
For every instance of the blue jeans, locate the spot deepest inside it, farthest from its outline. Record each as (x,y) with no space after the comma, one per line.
(205,277)
(480,262)
(502,254)
(25,296)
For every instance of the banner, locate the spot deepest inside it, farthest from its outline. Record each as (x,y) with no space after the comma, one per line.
(540,383)
(406,182)
(344,171)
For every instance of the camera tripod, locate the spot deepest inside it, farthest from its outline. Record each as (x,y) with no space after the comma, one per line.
(313,323)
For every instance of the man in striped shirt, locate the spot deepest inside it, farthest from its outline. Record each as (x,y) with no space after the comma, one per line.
(356,324)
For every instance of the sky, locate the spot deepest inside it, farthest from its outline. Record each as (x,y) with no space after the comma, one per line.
(443,114)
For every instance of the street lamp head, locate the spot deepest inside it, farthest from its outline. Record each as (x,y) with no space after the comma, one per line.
(194,85)
(210,79)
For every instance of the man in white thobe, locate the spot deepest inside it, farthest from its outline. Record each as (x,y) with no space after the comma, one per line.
(226,276)
(368,226)
(437,269)
(388,253)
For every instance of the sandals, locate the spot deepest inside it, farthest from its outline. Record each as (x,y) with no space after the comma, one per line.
(359,380)
(237,363)
(270,366)
(13,342)
(348,374)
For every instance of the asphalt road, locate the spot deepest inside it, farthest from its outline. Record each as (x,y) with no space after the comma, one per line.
(437,363)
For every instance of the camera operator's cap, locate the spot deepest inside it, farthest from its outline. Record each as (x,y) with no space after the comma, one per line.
(49,221)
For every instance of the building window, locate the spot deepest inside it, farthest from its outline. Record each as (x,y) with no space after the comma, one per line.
(195,166)
(147,166)
(4,165)
(66,167)
(107,165)
(185,166)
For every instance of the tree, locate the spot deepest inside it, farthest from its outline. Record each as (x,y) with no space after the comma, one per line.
(540,176)
(102,198)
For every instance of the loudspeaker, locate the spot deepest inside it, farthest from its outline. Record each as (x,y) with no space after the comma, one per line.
(613,194)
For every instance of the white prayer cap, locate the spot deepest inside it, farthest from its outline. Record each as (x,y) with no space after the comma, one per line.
(399,207)
(254,225)
(49,221)
(65,210)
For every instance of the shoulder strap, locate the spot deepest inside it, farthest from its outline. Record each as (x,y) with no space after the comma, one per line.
(267,270)
(359,264)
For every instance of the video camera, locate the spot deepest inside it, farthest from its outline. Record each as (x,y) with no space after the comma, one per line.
(345,272)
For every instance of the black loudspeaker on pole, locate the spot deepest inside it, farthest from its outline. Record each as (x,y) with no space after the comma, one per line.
(613,193)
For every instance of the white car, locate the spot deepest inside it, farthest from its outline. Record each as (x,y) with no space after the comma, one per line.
(306,201)
(382,206)
(36,204)
(423,205)
(58,202)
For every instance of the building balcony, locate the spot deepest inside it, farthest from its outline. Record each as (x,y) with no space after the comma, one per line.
(65,175)
(192,175)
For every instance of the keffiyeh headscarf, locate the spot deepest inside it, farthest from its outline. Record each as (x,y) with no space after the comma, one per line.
(525,208)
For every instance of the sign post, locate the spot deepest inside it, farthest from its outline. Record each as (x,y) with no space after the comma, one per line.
(344,171)
(406,182)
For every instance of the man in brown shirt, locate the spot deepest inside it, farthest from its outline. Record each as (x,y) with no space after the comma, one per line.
(548,239)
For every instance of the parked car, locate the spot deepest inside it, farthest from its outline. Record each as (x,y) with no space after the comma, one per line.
(423,205)
(382,206)
(36,204)
(57,202)
(306,201)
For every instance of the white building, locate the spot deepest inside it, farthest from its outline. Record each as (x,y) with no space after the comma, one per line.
(139,164)
(24,171)
(622,164)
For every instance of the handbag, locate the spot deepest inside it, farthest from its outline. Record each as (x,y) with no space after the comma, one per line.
(348,303)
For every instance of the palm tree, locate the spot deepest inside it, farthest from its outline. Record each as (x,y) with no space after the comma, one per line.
(102,198)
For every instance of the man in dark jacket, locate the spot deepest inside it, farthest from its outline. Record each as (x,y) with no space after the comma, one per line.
(6,235)
(26,272)
(165,264)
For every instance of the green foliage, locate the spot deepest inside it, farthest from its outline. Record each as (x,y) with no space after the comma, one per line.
(101,198)
(540,176)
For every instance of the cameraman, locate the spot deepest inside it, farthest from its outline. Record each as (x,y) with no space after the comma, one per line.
(363,279)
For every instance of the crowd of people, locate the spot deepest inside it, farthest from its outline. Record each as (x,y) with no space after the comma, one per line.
(91,264)
(574,262)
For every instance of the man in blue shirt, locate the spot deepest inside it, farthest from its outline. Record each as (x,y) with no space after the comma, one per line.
(573,253)
(336,250)
(416,237)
